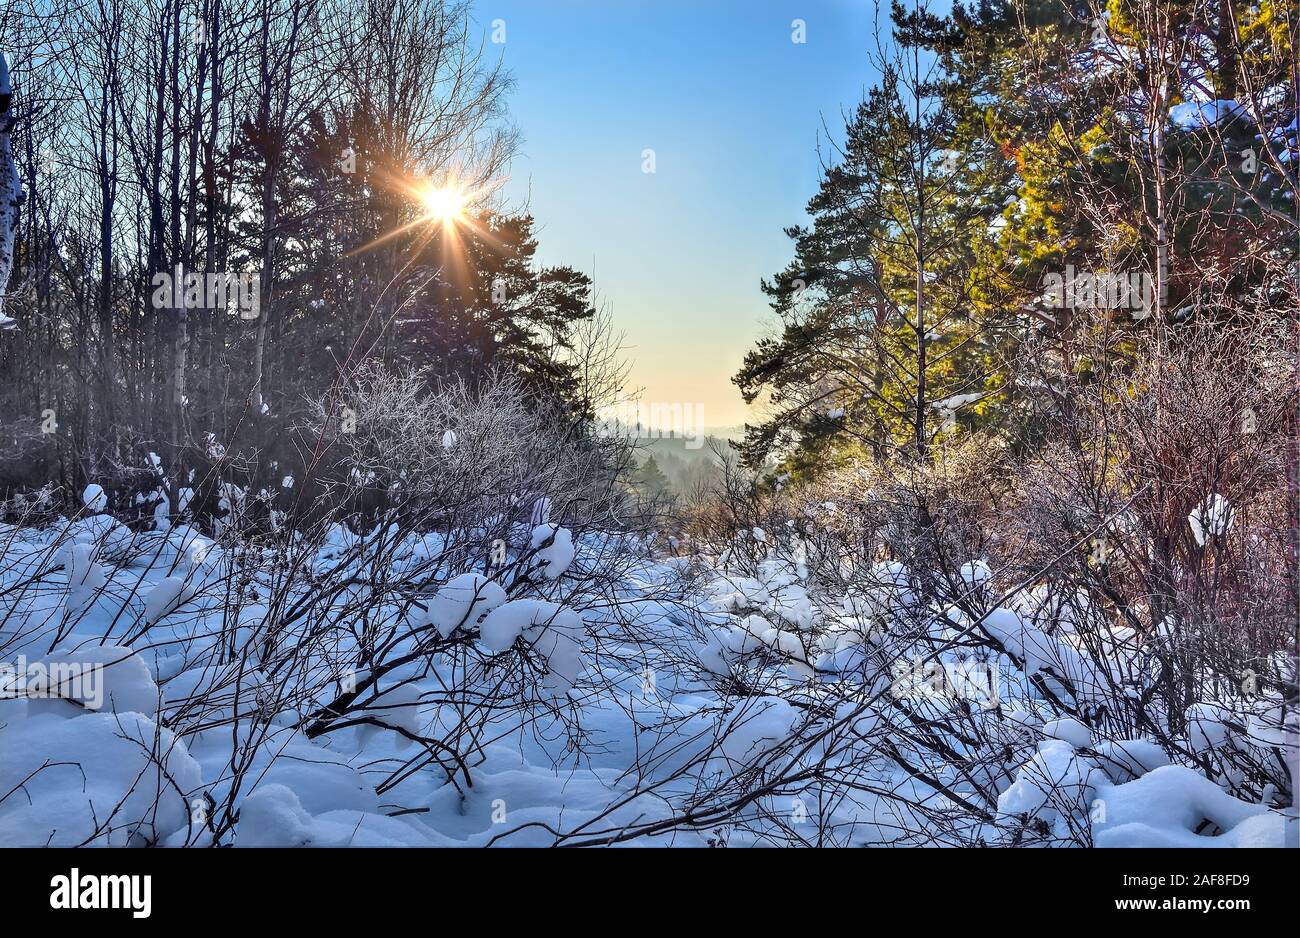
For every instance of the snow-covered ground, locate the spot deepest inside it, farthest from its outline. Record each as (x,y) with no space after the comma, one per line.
(687,705)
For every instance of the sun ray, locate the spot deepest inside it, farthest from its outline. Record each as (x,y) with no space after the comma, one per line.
(445,207)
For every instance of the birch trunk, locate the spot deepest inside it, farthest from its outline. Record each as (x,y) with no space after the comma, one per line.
(11,191)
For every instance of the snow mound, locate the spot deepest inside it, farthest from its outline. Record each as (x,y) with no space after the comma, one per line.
(86,578)
(975,574)
(272,816)
(551,630)
(398,707)
(169,593)
(748,634)
(508,622)
(792,605)
(556,639)
(191,547)
(1169,805)
(1211,520)
(105,779)
(715,655)
(1055,785)
(1069,730)
(555,550)
(1126,759)
(461,601)
(753,729)
(111,538)
(94,498)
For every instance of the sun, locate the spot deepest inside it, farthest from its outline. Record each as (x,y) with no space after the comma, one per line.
(444,203)
(438,211)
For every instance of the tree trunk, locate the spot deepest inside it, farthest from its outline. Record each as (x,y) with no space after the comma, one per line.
(11,192)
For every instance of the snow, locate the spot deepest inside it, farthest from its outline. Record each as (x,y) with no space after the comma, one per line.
(1166,807)
(556,639)
(1154,804)
(752,729)
(1276,727)
(1126,759)
(1070,730)
(785,643)
(975,574)
(112,538)
(555,550)
(94,498)
(950,404)
(716,655)
(792,605)
(1211,520)
(506,623)
(272,816)
(1209,726)
(161,511)
(169,593)
(718,682)
(85,577)
(113,678)
(93,780)
(397,707)
(461,601)
(1054,785)
(190,546)
(748,634)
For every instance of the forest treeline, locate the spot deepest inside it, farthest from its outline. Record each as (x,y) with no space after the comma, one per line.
(1045,317)
(1034,201)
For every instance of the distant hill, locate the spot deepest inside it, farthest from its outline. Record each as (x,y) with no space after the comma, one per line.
(687,461)
(690,447)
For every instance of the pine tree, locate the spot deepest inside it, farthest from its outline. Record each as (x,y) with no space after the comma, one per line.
(650,479)
(883,349)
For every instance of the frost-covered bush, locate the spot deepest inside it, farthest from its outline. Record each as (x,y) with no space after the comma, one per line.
(1002,648)
(428,599)
(458,587)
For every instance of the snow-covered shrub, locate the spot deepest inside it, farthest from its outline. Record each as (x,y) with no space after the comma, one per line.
(425,599)
(1005,657)
(902,656)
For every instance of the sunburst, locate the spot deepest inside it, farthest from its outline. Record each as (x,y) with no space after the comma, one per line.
(444,204)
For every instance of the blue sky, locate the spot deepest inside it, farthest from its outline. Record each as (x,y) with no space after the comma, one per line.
(733,110)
